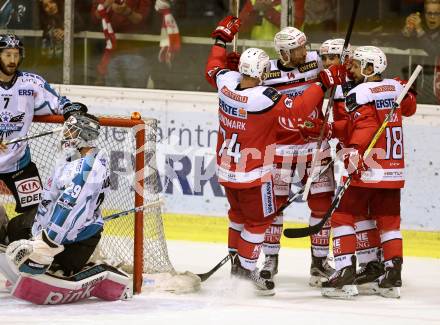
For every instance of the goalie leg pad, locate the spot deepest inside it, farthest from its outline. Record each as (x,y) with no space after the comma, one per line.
(11,274)
(101,281)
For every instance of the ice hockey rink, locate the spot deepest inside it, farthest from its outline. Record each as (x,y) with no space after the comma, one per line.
(223,301)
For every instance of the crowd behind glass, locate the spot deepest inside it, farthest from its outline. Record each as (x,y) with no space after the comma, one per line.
(395,25)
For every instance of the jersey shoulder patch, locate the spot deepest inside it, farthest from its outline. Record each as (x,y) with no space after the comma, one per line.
(346,87)
(351,103)
(272,94)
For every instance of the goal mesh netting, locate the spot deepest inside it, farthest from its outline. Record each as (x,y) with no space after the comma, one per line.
(130,144)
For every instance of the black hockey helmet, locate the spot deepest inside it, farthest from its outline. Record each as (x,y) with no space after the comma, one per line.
(11,41)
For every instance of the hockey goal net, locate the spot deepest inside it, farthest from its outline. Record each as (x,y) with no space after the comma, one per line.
(135,242)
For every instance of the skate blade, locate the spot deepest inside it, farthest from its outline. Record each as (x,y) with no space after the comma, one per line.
(316,281)
(393,292)
(346,292)
(368,289)
(264,293)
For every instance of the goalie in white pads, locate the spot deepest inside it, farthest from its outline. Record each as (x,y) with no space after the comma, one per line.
(68,227)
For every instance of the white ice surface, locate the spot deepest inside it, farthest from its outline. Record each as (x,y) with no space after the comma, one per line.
(224,302)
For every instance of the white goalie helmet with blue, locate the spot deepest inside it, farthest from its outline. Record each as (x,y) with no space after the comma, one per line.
(80,130)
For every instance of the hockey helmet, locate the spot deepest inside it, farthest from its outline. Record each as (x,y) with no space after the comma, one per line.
(11,41)
(334,46)
(371,55)
(254,63)
(287,39)
(79,131)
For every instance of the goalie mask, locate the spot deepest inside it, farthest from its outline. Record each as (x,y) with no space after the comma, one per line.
(79,131)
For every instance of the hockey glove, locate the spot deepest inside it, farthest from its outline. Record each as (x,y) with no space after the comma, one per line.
(232,60)
(334,75)
(33,256)
(74,108)
(403,82)
(226,29)
(310,129)
(354,163)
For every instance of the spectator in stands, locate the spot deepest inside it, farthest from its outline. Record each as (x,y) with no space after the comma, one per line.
(424,32)
(124,63)
(17,14)
(261,19)
(52,24)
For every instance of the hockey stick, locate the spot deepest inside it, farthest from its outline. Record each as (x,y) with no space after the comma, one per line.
(313,168)
(137,209)
(234,7)
(113,216)
(301,190)
(58,129)
(207,275)
(307,231)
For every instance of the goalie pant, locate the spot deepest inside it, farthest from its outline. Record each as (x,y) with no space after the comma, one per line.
(249,121)
(377,194)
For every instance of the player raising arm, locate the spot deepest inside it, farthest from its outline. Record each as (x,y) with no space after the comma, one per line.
(68,224)
(249,122)
(23,95)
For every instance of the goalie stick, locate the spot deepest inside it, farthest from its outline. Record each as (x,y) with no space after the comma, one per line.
(113,216)
(33,136)
(307,231)
(313,168)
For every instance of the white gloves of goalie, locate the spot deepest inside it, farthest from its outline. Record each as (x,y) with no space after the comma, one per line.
(33,256)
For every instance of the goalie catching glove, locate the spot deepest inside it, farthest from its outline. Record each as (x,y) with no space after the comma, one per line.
(33,256)
(226,29)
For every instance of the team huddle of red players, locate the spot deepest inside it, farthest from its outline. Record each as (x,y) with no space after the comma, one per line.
(270,122)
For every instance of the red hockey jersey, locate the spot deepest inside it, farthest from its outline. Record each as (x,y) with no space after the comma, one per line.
(293,82)
(250,121)
(368,104)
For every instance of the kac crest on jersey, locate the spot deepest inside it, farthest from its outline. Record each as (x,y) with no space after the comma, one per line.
(10,123)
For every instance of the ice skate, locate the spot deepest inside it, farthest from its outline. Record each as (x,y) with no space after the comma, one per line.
(367,276)
(391,281)
(320,270)
(270,267)
(341,283)
(263,286)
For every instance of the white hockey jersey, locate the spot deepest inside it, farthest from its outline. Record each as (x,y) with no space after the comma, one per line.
(70,206)
(29,95)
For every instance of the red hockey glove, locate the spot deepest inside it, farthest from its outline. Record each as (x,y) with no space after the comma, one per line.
(403,82)
(354,163)
(310,129)
(226,29)
(334,75)
(232,60)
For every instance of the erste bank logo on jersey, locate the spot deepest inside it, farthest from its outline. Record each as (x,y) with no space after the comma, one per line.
(232,111)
